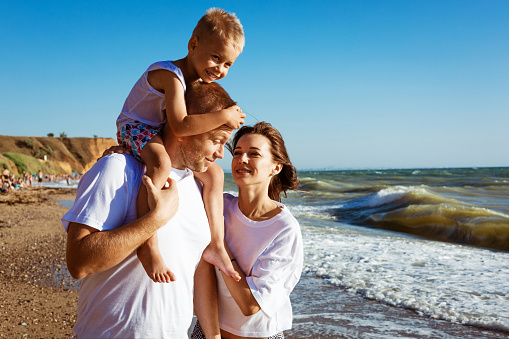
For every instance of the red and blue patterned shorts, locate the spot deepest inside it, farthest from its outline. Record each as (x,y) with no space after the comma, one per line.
(135,135)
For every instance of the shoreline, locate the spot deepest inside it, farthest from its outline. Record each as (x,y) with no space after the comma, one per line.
(321,310)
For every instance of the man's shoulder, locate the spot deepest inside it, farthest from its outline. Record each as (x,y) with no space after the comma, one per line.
(116,164)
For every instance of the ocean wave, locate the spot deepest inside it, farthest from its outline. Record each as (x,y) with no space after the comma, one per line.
(309,184)
(419,211)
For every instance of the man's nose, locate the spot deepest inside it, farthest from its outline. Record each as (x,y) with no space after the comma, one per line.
(219,153)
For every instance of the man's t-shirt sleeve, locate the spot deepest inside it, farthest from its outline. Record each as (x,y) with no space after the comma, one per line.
(105,193)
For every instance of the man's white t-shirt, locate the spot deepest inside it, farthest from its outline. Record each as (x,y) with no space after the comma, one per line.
(123,302)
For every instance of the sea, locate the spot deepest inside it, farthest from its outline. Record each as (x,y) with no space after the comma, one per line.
(412,253)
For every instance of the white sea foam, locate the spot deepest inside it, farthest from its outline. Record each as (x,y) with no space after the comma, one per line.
(59,184)
(312,212)
(388,195)
(439,280)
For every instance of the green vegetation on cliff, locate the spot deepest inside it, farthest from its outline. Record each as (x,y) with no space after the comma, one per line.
(29,164)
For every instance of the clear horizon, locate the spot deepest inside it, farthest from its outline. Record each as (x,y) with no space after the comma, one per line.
(364,85)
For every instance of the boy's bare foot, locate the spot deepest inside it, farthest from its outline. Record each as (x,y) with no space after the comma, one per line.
(217,256)
(154,265)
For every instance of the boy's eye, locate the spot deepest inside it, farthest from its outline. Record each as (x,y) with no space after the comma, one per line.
(215,57)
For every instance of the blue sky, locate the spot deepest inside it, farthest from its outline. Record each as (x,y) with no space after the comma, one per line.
(350,84)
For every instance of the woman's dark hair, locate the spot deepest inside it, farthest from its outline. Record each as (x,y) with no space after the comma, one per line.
(286,179)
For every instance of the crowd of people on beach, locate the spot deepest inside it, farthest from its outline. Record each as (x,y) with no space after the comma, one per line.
(11,182)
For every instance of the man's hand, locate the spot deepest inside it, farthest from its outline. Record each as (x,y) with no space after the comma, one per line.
(91,251)
(164,202)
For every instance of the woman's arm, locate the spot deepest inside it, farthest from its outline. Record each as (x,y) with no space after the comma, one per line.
(240,290)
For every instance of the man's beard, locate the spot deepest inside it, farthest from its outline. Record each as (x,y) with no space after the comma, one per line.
(192,157)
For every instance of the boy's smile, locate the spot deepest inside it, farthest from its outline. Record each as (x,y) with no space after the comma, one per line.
(211,58)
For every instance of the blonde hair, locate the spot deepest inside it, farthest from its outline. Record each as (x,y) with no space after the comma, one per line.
(223,25)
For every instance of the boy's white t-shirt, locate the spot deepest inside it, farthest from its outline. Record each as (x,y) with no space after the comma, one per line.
(146,104)
(123,302)
(270,253)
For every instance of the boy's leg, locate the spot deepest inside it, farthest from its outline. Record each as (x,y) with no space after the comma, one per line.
(215,253)
(158,166)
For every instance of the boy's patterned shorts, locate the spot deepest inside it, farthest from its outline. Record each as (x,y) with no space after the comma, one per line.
(135,135)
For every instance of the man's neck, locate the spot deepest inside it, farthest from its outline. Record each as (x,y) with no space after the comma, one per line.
(176,158)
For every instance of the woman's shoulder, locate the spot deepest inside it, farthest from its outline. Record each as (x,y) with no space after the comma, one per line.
(287,216)
(228,199)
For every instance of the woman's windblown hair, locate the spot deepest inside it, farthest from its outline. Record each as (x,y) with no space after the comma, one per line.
(286,179)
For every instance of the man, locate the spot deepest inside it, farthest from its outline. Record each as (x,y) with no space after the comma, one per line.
(117,298)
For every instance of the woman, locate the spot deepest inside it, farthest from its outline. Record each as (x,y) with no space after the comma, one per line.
(263,240)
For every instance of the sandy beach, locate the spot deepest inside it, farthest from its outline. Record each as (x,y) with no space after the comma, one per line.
(39,298)
(36,300)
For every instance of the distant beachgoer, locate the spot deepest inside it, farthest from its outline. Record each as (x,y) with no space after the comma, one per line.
(6,182)
(262,238)
(40,177)
(157,98)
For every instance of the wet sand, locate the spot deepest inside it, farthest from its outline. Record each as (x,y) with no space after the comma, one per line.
(39,298)
(325,311)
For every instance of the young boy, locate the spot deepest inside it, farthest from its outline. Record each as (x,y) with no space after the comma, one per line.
(158,98)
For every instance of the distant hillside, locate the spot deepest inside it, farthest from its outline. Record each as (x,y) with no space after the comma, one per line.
(69,154)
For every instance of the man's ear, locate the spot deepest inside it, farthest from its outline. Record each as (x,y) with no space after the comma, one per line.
(192,44)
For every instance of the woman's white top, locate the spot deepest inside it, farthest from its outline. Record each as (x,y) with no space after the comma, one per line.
(270,253)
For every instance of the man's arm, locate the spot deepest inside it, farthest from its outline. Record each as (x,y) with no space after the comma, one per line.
(91,251)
